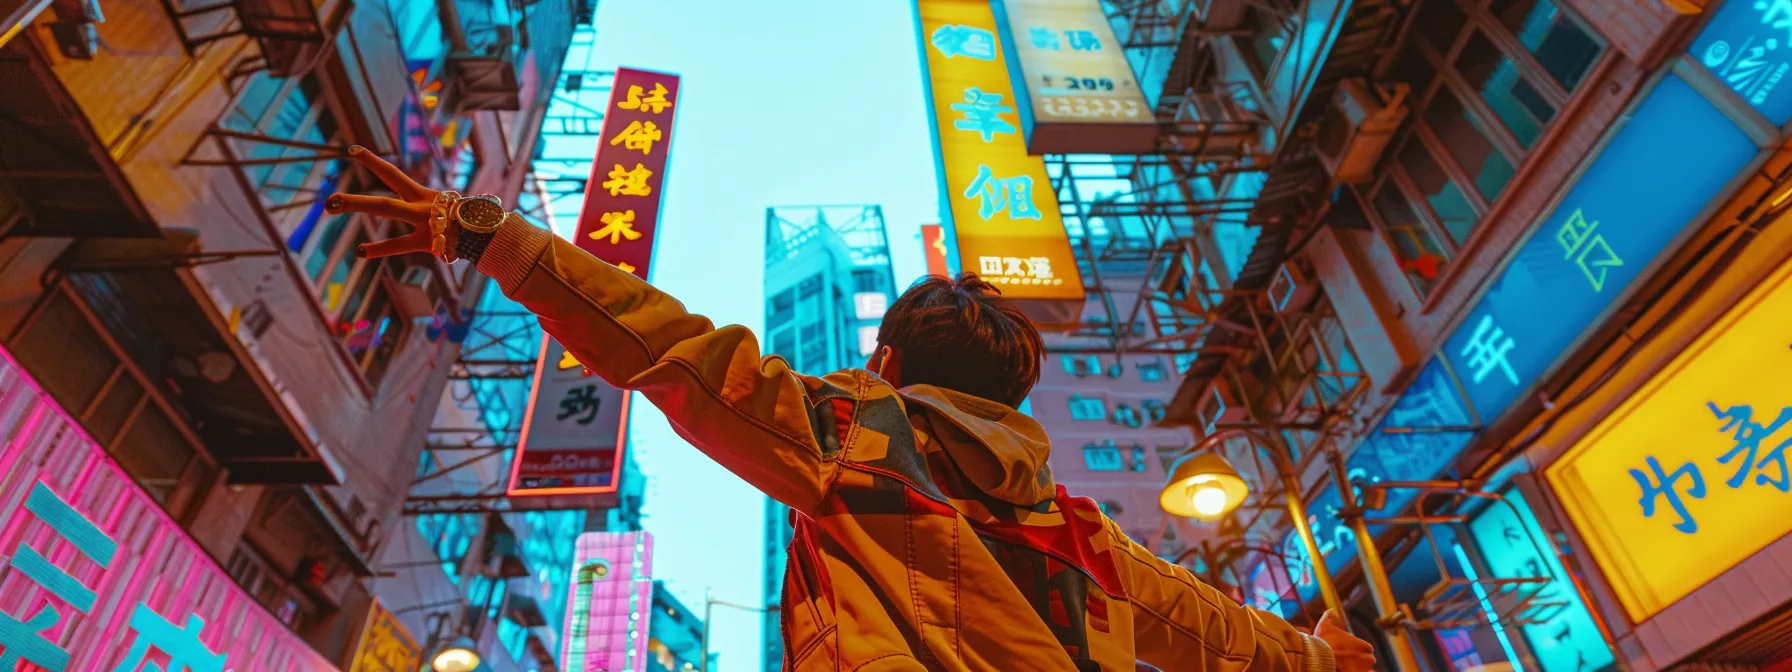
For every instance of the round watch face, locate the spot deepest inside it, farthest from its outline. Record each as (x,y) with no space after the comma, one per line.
(479,214)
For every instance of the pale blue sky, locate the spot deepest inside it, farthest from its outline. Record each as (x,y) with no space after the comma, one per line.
(784,102)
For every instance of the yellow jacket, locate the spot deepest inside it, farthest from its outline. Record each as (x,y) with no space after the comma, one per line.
(929,533)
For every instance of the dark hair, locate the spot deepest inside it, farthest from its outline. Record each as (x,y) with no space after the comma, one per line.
(963,336)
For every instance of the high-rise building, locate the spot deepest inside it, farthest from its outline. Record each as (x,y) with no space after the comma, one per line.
(828,282)
(194,353)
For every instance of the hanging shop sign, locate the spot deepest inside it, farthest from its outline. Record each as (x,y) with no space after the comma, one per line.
(1748,44)
(612,596)
(100,578)
(570,455)
(1694,461)
(1514,546)
(1608,228)
(1002,212)
(1075,91)
(385,645)
(934,250)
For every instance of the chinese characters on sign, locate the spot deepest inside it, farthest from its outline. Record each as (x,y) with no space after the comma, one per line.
(1748,45)
(576,426)
(933,248)
(1691,459)
(1080,91)
(999,201)
(385,645)
(1592,246)
(1566,639)
(1587,248)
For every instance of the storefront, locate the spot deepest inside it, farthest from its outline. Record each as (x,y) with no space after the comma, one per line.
(1692,140)
(94,575)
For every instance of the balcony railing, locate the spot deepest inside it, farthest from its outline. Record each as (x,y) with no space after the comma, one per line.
(294,34)
(491,62)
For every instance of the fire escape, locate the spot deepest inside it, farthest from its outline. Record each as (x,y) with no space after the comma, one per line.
(466,465)
(1248,326)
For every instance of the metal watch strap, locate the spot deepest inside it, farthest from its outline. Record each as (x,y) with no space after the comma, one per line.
(471,245)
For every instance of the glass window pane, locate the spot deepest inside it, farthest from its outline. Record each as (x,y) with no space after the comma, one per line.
(1559,44)
(1452,208)
(1466,141)
(1514,100)
(1439,22)
(1421,258)
(336,287)
(326,245)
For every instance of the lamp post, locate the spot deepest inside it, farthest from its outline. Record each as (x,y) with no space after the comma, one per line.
(708,610)
(1204,485)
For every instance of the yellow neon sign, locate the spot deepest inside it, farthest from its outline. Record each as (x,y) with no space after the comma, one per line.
(1684,479)
(1004,212)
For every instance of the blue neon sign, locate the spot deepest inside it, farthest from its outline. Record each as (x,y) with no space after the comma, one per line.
(1748,45)
(1514,546)
(1676,154)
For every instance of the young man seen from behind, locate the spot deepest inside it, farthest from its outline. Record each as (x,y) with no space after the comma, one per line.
(929,534)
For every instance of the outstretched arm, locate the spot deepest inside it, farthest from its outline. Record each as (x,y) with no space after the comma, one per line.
(1180,623)
(748,413)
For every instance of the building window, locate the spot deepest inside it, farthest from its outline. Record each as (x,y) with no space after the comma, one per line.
(1080,365)
(1155,411)
(870,305)
(1103,456)
(867,340)
(286,108)
(1087,408)
(1151,371)
(1489,80)
(1138,458)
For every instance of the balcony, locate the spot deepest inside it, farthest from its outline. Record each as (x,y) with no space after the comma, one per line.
(506,50)
(105,311)
(293,34)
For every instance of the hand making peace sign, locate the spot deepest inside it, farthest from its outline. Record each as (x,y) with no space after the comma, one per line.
(414,206)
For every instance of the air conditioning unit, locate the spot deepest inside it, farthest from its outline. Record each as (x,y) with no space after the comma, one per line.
(412,293)
(1291,288)
(1220,405)
(1352,141)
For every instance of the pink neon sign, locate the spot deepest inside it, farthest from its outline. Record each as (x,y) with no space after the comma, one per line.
(95,576)
(612,601)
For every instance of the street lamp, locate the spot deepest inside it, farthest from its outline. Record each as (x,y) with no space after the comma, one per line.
(461,655)
(1204,485)
(708,604)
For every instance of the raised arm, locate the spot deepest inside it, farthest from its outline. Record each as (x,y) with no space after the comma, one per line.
(748,413)
(1180,623)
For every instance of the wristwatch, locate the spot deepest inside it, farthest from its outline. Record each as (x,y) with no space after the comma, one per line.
(479,218)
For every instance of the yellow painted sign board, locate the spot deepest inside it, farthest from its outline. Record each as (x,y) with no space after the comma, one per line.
(1004,214)
(1689,476)
(385,645)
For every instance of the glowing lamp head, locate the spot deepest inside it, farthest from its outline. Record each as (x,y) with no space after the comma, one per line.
(459,656)
(1203,486)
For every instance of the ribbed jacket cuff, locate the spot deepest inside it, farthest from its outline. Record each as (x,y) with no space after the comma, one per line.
(1319,656)
(513,252)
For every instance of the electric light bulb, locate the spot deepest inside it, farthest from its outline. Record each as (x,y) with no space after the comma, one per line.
(1208,499)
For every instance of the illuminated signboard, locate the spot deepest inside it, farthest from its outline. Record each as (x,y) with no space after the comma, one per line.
(1748,44)
(1079,93)
(612,591)
(1597,241)
(1002,211)
(576,428)
(1514,546)
(933,249)
(1694,461)
(385,645)
(98,576)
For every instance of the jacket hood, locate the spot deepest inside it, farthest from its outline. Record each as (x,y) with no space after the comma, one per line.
(1000,450)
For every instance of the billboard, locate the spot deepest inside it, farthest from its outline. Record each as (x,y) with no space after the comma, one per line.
(1001,209)
(1694,461)
(612,591)
(97,576)
(576,426)
(933,249)
(1514,546)
(1076,93)
(1746,45)
(385,645)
